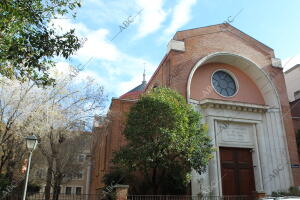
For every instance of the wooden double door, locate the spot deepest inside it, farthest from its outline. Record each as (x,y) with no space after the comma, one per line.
(237,171)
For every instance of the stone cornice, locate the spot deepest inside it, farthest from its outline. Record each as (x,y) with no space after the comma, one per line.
(231,105)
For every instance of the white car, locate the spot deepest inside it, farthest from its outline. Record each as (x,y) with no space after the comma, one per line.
(285,198)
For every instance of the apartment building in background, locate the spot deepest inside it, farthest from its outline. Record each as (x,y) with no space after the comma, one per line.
(292,79)
(72,185)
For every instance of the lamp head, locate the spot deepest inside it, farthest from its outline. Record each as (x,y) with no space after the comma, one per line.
(31,142)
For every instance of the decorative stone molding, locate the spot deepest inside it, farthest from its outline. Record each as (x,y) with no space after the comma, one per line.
(231,105)
(260,77)
(121,192)
(176,46)
(276,62)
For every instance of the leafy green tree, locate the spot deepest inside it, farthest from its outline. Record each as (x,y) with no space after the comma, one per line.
(114,177)
(29,43)
(164,135)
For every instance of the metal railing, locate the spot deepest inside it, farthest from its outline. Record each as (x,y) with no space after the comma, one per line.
(186,197)
(41,196)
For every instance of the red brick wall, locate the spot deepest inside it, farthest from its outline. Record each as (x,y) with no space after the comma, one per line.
(204,41)
(174,71)
(107,139)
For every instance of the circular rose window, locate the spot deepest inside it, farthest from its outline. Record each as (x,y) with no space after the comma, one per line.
(224,83)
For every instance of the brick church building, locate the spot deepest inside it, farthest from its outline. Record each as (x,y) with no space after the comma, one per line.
(236,82)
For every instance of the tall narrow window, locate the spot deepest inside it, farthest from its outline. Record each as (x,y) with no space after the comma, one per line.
(68,190)
(78,190)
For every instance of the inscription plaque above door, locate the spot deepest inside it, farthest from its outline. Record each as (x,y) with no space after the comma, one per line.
(235,134)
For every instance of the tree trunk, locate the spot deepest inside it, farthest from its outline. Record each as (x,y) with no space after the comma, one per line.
(56,187)
(10,166)
(1,164)
(48,179)
(10,171)
(154,180)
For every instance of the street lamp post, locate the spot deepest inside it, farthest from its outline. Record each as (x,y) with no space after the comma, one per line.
(31,142)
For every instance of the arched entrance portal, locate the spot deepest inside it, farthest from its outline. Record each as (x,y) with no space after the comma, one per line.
(242,128)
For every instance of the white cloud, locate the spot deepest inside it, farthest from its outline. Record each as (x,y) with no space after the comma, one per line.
(97,46)
(64,70)
(117,71)
(115,12)
(290,62)
(62,24)
(89,75)
(181,15)
(61,70)
(134,68)
(125,73)
(152,16)
(129,85)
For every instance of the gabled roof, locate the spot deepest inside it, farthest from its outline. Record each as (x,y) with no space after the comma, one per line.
(135,91)
(139,87)
(181,35)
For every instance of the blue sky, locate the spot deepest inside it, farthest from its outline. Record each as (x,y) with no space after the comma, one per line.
(118,64)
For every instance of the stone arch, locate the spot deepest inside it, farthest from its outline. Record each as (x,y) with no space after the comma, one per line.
(249,67)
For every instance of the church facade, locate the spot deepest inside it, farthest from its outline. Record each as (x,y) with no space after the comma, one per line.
(237,84)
